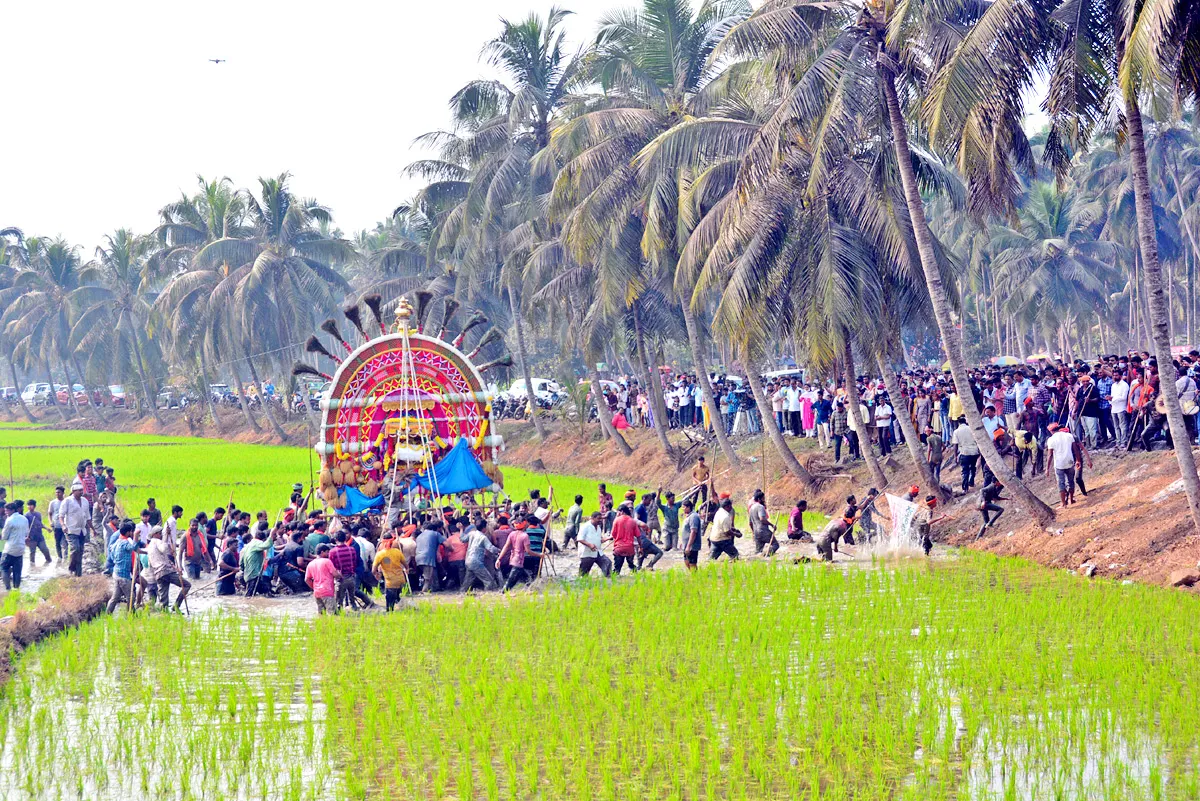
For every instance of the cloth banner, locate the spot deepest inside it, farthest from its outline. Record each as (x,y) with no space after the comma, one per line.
(904,533)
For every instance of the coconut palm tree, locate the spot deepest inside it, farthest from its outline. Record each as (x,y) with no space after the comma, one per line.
(195,305)
(1102,54)
(36,316)
(12,244)
(287,276)
(1056,267)
(652,64)
(112,306)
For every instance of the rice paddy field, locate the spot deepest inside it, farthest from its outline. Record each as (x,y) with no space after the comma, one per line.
(971,678)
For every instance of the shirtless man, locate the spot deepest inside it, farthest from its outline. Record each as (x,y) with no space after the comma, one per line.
(700,475)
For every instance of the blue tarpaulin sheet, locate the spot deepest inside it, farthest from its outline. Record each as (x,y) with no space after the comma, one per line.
(457,471)
(357,503)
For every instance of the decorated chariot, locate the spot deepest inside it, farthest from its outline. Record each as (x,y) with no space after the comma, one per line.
(407,414)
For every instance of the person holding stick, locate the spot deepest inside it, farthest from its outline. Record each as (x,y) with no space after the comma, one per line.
(124,552)
(693,534)
(164,571)
(761,526)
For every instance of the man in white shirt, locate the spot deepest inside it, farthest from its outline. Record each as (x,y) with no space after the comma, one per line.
(722,535)
(883,424)
(590,541)
(793,408)
(966,449)
(778,399)
(1066,457)
(75,517)
(171,527)
(164,571)
(143,530)
(52,514)
(1120,403)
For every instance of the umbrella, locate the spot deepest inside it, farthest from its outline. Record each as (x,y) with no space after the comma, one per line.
(1037,357)
(1005,361)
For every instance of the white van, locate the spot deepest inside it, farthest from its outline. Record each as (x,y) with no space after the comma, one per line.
(543,388)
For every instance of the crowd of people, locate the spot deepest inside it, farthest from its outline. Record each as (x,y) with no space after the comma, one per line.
(460,545)
(1046,418)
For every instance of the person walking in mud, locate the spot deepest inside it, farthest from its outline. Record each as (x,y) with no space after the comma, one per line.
(989,509)
(123,552)
(761,526)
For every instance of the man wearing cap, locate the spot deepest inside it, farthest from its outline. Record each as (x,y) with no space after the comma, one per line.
(75,518)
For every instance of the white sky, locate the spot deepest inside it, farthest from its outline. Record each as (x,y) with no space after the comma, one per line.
(113,109)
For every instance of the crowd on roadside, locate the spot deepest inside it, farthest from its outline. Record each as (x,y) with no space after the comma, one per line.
(1109,402)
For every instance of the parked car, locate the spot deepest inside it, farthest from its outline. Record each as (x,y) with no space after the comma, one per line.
(81,396)
(117,394)
(171,399)
(543,389)
(9,394)
(36,394)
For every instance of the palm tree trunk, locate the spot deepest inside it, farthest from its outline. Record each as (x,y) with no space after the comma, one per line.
(951,338)
(912,437)
(706,391)
(70,387)
(208,395)
(606,425)
(653,386)
(141,366)
(524,359)
(12,370)
(93,407)
(53,398)
(266,403)
(237,379)
(1152,274)
(781,447)
(864,435)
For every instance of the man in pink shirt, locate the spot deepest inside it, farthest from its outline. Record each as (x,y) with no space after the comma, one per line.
(515,548)
(322,576)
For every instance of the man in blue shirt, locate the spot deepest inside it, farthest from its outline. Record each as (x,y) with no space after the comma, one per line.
(1104,385)
(121,554)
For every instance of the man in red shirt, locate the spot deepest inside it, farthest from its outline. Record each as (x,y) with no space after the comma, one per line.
(625,532)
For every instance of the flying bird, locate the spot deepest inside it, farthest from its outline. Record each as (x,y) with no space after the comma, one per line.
(217,60)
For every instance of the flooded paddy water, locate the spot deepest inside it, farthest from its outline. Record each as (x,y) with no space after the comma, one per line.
(964,678)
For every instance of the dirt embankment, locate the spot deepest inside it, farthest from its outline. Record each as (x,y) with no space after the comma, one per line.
(1134,522)
(70,601)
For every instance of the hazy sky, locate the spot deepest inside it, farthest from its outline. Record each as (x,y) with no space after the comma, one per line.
(113,108)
